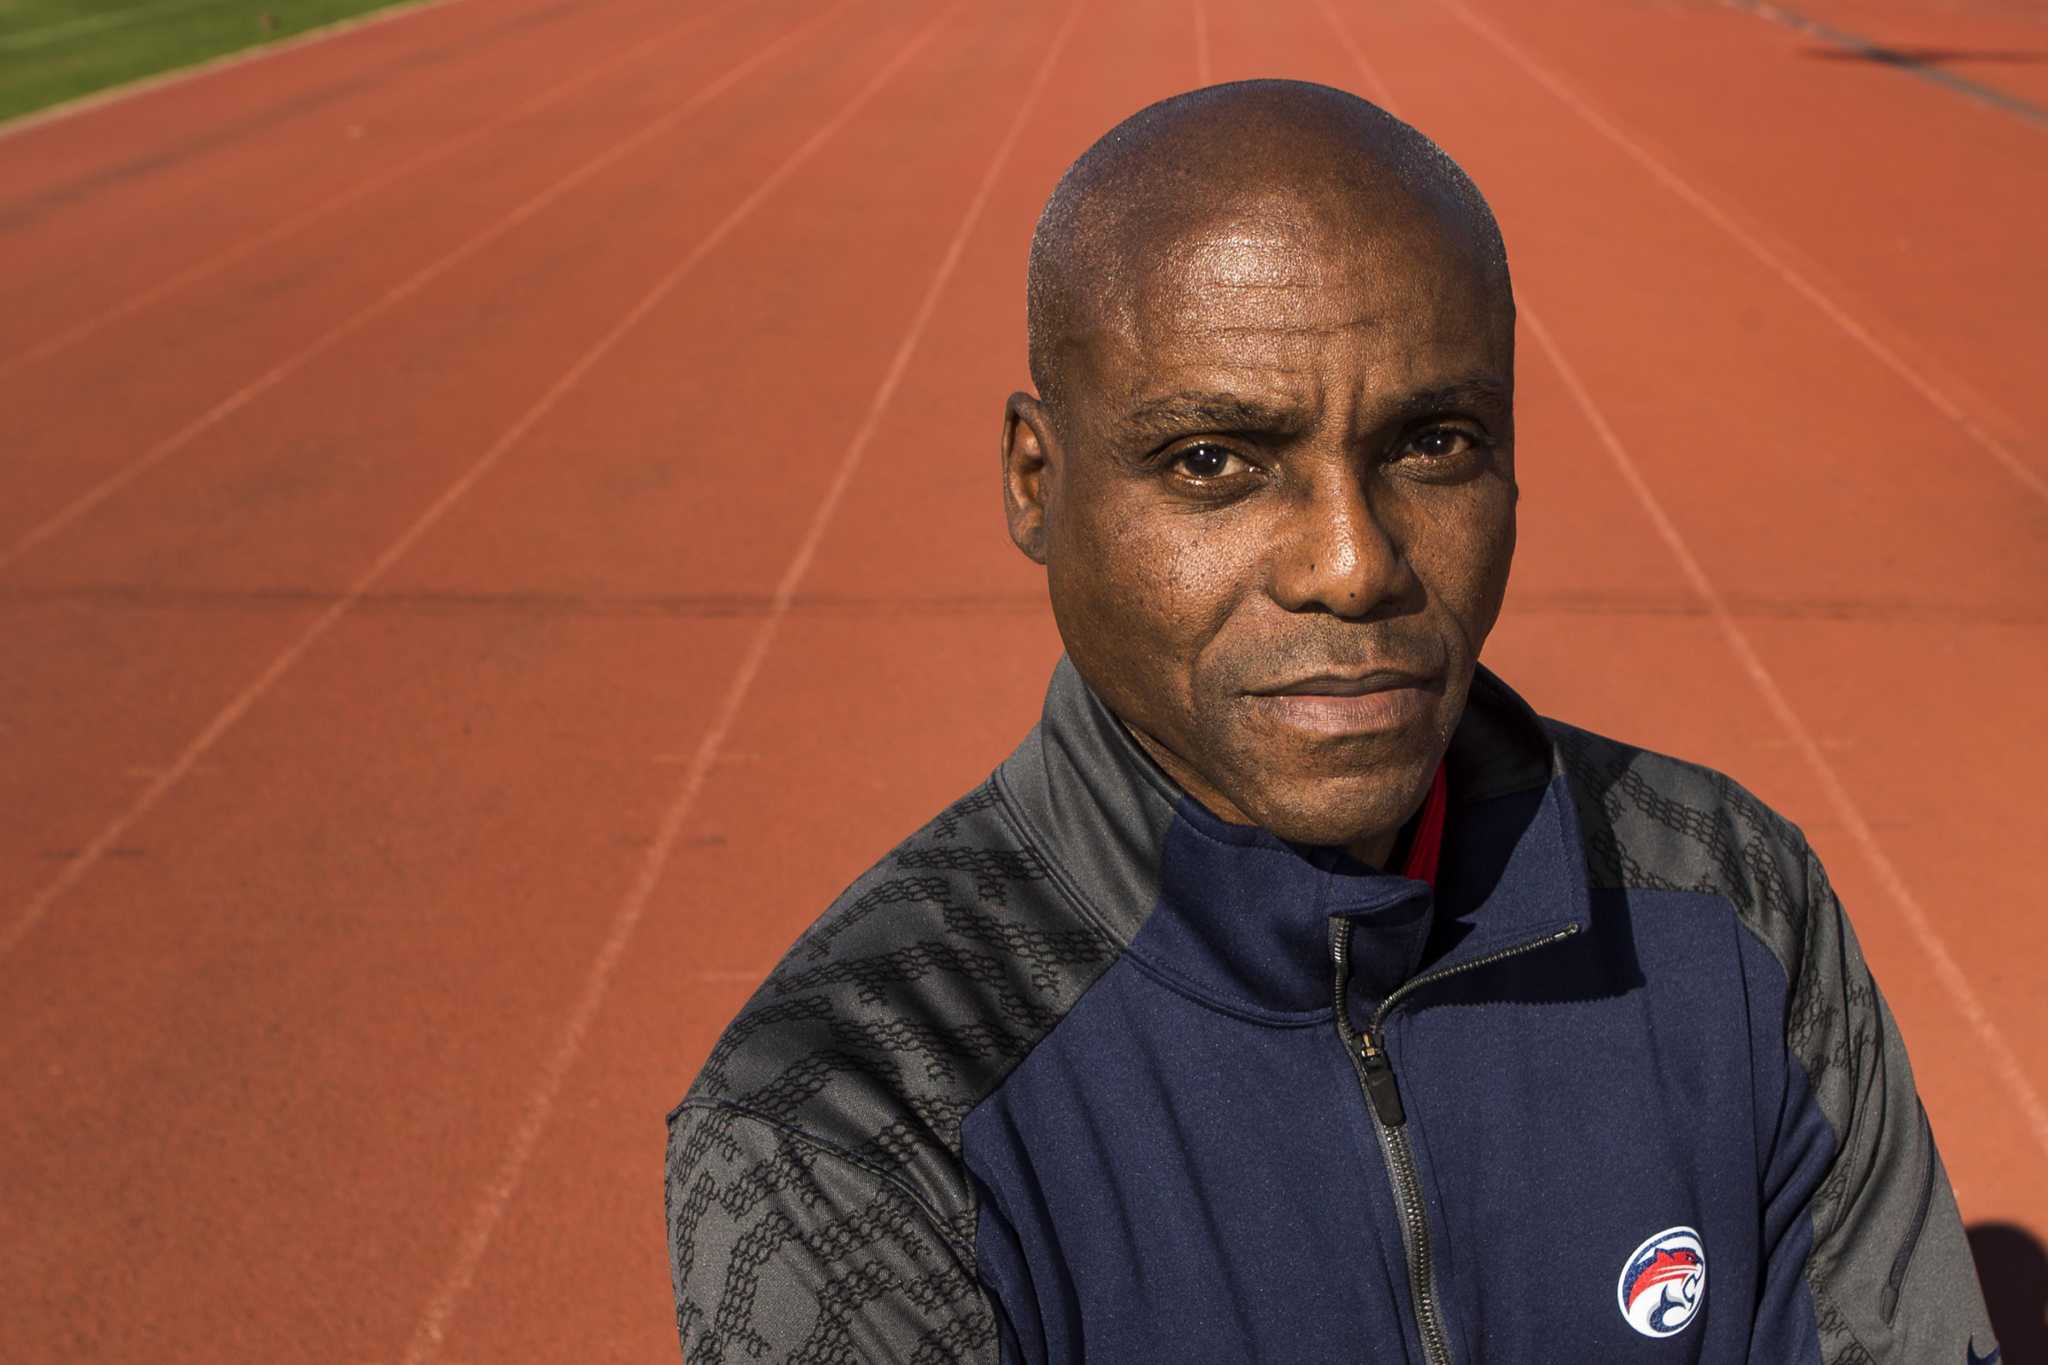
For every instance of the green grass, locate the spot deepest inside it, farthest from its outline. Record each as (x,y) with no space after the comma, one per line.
(55,50)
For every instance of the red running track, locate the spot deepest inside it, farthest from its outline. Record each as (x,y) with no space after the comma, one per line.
(482,490)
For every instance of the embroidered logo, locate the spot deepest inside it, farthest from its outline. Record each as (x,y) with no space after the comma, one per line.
(1663,1283)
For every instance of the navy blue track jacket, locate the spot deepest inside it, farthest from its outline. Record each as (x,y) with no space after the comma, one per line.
(1080,1072)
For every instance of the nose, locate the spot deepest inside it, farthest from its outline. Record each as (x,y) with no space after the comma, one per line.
(1336,554)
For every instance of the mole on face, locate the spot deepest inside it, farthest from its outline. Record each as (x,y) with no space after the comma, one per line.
(1269,470)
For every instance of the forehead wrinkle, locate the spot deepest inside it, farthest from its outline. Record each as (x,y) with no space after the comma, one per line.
(1316,279)
(1219,409)
(1365,322)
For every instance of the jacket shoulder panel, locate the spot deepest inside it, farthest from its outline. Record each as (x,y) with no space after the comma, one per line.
(1650,822)
(783,1249)
(926,981)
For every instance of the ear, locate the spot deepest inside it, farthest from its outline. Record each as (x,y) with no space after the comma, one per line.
(1030,453)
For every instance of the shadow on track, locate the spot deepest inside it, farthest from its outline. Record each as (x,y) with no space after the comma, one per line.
(1927,56)
(2013,1266)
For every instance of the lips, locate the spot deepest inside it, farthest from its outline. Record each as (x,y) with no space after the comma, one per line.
(1339,684)
(1345,703)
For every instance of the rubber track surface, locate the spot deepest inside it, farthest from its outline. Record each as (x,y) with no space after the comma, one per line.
(497,526)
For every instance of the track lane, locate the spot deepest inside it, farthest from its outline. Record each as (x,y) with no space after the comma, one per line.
(343,678)
(277,508)
(1971,363)
(269,321)
(396,169)
(306,488)
(269,1049)
(92,214)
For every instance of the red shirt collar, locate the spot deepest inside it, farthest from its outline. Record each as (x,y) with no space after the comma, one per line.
(1425,848)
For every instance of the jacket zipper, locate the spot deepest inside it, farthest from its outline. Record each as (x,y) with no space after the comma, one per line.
(1382,1094)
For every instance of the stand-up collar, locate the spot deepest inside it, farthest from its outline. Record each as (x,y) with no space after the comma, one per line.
(1239,917)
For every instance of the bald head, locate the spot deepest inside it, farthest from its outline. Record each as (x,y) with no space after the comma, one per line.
(1239,168)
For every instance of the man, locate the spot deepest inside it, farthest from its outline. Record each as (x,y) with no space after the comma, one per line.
(1294,993)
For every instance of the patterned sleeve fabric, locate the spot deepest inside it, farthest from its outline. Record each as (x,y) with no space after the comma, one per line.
(1889,1268)
(818,1206)
(786,1250)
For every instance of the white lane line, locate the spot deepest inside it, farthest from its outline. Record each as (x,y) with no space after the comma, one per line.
(213,265)
(99,99)
(413,284)
(39,905)
(497,1196)
(2028,477)
(1954,982)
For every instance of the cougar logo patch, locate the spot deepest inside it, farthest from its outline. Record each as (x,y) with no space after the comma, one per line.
(1663,1283)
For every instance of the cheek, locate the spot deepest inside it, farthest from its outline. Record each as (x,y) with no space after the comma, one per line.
(1462,551)
(1143,585)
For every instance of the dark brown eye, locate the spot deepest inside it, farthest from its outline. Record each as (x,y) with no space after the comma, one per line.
(1439,443)
(1206,462)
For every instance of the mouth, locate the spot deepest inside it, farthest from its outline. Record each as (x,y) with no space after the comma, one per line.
(1379,701)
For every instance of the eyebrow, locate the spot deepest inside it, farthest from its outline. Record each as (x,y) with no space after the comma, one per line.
(1473,391)
(1200,410)
(1203,410)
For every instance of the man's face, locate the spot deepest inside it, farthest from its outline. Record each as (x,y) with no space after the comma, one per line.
(1278,505)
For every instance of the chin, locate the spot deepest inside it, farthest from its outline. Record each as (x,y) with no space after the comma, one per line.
(1337,813)
(1335,792)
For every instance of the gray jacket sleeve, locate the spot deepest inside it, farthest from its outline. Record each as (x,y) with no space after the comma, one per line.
(1861,1211)
(783,1249)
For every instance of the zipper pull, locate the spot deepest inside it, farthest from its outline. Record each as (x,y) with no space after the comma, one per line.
(1378,1071)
